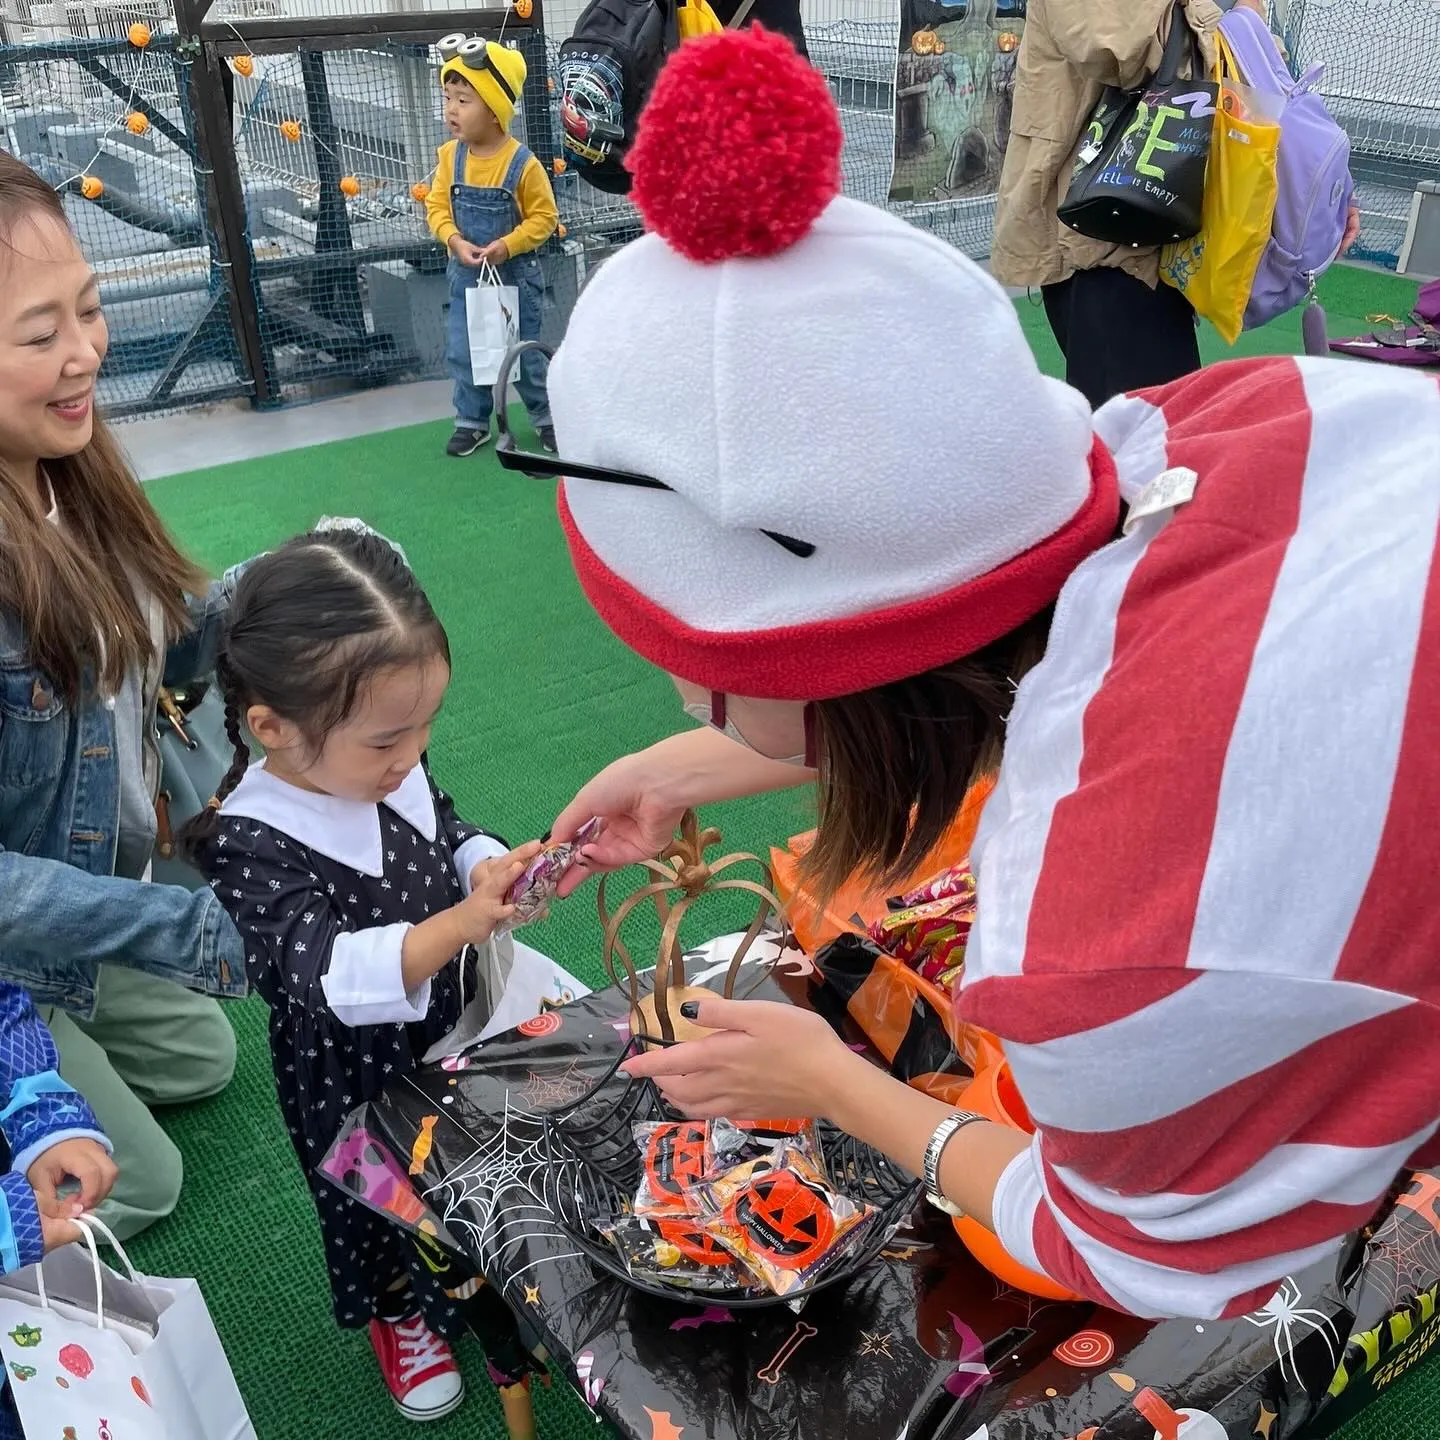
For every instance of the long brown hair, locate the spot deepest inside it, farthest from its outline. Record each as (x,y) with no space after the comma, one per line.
(72,586)
(896,762)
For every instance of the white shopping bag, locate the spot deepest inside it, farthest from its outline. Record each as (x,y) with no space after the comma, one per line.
(516,984)
(187,1365)
(535,983)
(492,313)
(89,1350)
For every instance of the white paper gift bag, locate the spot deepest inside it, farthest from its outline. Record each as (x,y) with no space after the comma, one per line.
(516,983)
(123,1356)
(492,313)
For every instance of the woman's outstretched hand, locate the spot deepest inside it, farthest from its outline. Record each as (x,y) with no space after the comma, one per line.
(639,822)
(765,1061)
(642,797)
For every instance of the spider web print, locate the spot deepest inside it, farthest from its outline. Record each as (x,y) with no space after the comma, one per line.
(1032,1305)
(1403,1258)
(495,1200)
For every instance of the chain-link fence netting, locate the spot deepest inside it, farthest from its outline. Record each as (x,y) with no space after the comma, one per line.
(108,123)
(338,150)
(1382,83)
(333,141)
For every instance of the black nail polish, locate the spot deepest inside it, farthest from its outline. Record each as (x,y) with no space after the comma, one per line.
(690,1009)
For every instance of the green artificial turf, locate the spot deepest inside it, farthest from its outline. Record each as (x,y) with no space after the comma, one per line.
(542,697)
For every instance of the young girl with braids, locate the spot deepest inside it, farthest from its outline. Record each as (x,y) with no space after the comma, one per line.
(359,894)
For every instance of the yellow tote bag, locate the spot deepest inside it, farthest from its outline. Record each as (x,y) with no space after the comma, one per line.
(695,18)
(1216,269)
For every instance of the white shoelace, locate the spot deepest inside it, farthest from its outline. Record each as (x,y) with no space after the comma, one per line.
(420,1348)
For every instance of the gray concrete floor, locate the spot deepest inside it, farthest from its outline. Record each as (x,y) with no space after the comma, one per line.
(195,440)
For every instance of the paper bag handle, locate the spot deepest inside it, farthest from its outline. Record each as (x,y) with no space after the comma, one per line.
(89,1224)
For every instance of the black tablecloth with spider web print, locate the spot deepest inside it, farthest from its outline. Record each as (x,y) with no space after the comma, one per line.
(924,1344)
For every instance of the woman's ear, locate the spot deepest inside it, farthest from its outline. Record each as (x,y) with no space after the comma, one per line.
(272,733)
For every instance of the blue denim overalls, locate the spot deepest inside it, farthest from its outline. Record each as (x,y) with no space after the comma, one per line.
(482,214)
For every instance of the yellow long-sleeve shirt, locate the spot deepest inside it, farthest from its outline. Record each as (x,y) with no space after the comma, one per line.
(538,214)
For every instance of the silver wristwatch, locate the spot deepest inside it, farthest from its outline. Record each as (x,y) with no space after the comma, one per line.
(944,1133)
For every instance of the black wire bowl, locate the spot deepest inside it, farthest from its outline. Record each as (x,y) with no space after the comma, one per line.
(594,1170)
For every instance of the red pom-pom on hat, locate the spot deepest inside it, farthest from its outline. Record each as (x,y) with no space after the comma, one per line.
(738,150)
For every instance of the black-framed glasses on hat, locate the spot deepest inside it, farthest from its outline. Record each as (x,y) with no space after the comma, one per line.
(541,466)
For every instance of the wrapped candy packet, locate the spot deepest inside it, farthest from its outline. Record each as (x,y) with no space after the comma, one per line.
(676,1155)
(930,928)
(532,893)
(780,1219)
(956,883)
(676,1250)
(737,1140)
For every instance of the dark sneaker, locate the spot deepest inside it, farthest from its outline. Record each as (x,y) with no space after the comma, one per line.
(547,438)
(466,441)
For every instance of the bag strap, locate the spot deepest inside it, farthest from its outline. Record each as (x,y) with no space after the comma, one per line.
(741,15)
(90,1223)
(1180,39)
(1262,66)
(94,1250)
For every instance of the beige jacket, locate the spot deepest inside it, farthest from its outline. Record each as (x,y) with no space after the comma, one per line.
(1072,49)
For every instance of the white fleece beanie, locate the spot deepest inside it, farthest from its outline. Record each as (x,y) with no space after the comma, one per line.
(792,362)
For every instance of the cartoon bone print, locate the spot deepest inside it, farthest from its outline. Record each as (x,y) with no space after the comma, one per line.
(771,1372)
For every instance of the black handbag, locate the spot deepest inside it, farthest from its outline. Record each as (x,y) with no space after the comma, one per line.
(1140,175)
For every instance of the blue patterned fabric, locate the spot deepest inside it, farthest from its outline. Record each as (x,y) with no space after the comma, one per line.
(39,1110)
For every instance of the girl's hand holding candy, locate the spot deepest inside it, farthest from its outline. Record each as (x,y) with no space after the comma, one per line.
(430,945)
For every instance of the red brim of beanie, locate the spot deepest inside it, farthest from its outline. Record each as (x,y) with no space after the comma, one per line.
(822,659)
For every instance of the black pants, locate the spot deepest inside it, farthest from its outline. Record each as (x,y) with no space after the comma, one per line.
(1118,335)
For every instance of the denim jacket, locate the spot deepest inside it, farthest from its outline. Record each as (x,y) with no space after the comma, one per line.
(63,911)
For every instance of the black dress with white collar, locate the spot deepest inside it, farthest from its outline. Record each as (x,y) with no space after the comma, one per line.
(322,891)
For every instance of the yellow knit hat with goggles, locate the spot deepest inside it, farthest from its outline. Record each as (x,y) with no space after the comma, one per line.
(495,72)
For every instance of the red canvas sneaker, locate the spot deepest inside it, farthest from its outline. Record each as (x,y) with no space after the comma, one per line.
(419,1368)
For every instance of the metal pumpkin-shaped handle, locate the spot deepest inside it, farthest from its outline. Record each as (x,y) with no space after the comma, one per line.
(680,871)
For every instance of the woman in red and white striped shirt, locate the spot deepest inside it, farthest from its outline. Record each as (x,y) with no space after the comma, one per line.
(1207,911)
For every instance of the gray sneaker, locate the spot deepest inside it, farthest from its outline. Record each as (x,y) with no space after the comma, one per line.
(466,441)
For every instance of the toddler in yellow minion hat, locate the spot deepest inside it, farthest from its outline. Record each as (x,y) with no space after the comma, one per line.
(490,205)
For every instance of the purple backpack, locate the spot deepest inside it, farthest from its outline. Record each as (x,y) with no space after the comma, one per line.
(1312,172)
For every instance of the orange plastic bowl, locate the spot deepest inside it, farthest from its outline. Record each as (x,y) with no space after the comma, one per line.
(993,1094)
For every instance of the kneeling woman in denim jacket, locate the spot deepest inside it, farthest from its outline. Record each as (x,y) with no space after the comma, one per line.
(94,615)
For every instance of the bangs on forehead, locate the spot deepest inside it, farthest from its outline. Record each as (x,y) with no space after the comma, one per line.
(363,660)
(34,239)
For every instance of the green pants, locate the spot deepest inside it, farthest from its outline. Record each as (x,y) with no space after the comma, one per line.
(150,1042)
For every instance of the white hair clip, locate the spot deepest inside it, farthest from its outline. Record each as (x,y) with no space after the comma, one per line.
(357,527)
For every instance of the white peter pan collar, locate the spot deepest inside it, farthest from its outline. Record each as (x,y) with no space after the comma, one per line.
(343,830)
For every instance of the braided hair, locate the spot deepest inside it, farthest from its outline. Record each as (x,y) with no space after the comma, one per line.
(311,625)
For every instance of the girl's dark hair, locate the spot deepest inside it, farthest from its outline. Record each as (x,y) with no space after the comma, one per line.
(896,762)
(310,627)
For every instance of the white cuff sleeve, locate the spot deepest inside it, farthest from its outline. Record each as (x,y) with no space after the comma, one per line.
(472,852)
(365,984)
(1018,1195)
